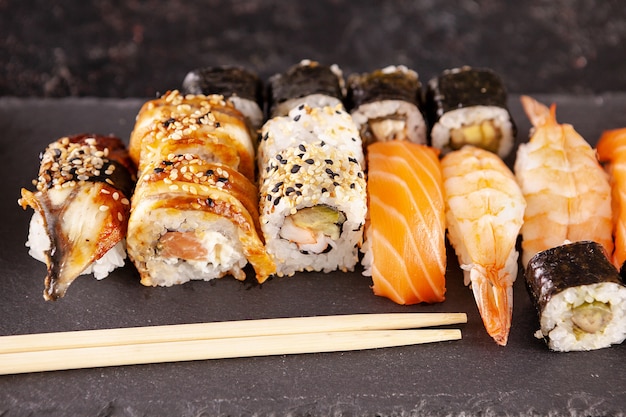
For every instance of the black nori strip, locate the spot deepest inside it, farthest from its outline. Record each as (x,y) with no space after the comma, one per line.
(301,80)
(383,85)
(225,80)
(571,265)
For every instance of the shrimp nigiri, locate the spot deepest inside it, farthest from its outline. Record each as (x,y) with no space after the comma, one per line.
(611,150)
(484,212)
(405,248)
(567,192)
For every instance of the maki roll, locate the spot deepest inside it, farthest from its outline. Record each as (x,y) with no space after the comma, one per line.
(386,105)
(313,191)
(307,82)
(243,87)
(81,209)
(195,208)
(468,106)
(579,296)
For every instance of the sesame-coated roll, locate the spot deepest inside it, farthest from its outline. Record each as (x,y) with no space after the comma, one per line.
(313,191)
(195,209)
(81,209)
(386,105)
(305,124)
(307,82)
(468,106)
(242,87)
(205,125)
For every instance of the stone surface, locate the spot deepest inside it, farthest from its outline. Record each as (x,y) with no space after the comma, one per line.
(115,48)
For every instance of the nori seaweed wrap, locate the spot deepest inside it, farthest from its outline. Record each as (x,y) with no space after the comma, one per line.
(469,106)
(243,87)
(579,296)
(307,82)
(386,105)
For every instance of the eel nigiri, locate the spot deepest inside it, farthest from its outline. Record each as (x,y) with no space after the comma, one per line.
(611,151)
(405,251)
(484,212)
(81,209)
(567,192)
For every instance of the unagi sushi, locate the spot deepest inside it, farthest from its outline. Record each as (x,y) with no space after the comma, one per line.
(579,296)
(567,192)
(405,249)
(468,106)
(195,208)
(484,212)
(611,151)
(386,104)
(81,209)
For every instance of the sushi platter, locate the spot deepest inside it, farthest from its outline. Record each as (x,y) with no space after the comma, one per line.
(473,375)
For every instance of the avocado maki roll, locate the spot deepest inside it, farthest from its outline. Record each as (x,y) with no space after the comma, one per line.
(386,105)
(469,106)
(242,87)
(307,82)
(579,296)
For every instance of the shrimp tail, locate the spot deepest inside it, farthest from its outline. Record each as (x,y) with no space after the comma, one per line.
(493,292)
(538,114)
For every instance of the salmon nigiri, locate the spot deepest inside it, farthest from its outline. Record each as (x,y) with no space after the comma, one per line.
(484,212)
(567,191)
(405,249)
(611,151)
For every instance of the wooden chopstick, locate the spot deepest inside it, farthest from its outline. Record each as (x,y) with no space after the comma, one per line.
(222,330)
(143,353)
(202,341)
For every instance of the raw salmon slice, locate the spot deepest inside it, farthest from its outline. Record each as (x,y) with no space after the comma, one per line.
(405,243)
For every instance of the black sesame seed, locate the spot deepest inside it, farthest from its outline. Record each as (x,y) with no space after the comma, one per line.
(277,187)
(222,179)
(322,144)
(353,160)
(269,197)
(217,124)
(360,174)
(335,183)
(210,172)
(328,161)
(289,190)
(295,119)
(158,170)
(352,185)
(300,155)
(310,161)
(328,249)
(298,185)
(298,192)
(324,189)
(295,169)
(302,147)
(301,107)
(353,139)
(169,122)
(210,202)
(277,200)
(265,136)
(168,163)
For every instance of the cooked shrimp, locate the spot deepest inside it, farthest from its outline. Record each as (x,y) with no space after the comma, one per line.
(611,151)
(567,192)
(484,211)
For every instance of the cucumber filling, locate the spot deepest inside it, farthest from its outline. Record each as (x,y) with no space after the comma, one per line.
(314,229)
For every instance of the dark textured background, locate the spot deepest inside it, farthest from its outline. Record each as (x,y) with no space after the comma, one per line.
(133,48)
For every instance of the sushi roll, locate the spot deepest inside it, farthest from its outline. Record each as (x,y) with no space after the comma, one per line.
(208,126)
(307,82)
(242,87)
(195,209)
(468,106)
(81,209)
(579,296)
(386,105)
(312,190)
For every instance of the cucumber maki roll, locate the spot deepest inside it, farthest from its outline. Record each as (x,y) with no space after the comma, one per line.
(469,106)
(242,87)
(579,296)
(386,105)
(307,82)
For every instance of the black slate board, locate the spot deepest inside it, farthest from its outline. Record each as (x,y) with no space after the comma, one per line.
(473,376)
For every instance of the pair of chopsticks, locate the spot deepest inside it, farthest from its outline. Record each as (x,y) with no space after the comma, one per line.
(218,340)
